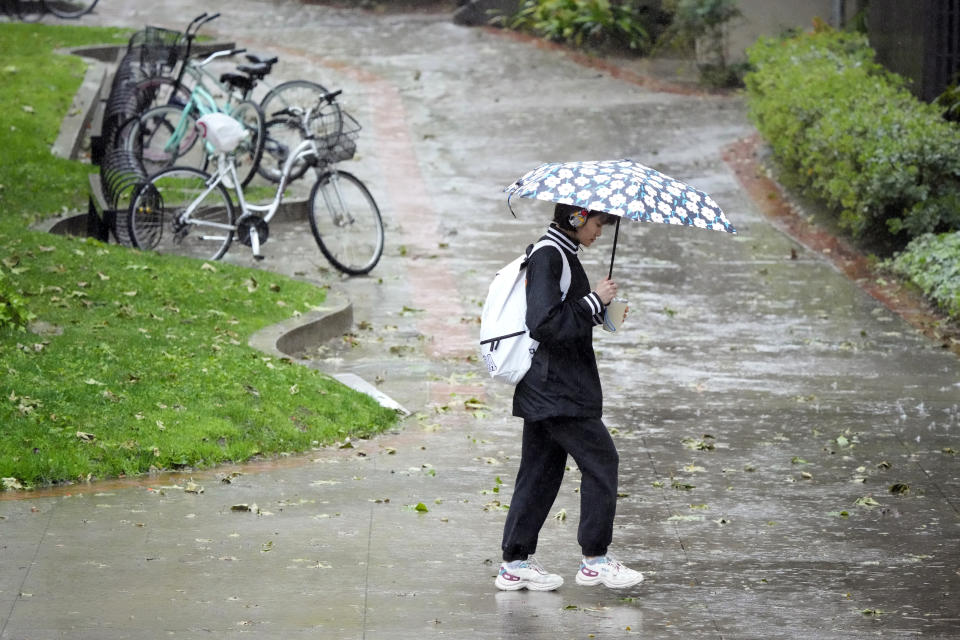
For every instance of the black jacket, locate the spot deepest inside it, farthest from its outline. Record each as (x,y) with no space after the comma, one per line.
(563,378)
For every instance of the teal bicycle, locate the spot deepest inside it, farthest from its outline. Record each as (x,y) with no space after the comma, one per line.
(166,135)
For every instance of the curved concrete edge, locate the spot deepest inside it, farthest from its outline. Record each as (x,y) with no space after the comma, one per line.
(80,114)
(292,337)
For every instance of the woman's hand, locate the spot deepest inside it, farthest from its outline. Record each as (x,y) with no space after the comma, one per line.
(607,290)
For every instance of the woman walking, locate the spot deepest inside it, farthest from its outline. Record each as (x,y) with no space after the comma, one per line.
(560,401)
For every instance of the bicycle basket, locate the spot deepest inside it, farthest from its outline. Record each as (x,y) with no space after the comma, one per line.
(341,146)
(158,48)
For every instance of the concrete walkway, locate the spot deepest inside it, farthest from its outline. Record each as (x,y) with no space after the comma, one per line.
(763,406)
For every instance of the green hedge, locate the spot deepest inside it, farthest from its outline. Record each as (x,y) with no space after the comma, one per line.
(851,135)
(932,262)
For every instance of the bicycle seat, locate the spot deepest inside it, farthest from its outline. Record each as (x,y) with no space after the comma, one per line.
(260,59)
(257,71)
(238,81)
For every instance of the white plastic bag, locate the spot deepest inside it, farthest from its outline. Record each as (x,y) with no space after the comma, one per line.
(221,131)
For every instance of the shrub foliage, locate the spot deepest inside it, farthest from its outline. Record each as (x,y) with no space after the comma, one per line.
(592,23)
(851,135)
(932,262)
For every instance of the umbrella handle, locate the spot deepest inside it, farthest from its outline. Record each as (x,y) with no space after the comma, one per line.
(613,255)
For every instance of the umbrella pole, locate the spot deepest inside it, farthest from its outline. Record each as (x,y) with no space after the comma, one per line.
(613,255)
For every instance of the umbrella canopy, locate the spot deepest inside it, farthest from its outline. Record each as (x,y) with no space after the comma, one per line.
(623,188)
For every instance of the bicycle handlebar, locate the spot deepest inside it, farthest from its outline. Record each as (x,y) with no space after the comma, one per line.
(198,22)
(328,97)
(218,54)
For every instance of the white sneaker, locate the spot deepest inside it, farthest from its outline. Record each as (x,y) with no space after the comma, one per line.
(608,571)
(529,575)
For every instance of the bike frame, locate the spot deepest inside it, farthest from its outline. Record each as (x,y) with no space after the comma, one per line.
(227,169)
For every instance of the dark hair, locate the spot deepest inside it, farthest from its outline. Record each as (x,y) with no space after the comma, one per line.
(562,213)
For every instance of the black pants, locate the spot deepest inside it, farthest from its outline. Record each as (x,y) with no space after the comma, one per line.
(546,444)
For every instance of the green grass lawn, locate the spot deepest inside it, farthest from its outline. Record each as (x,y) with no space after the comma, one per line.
(38,89)
(133,361)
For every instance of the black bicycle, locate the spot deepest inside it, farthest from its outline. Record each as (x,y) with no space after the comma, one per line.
(33,10)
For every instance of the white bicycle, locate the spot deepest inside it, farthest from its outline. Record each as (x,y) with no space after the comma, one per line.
(187,211)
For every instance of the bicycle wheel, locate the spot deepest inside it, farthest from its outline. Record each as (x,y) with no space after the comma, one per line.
(157,91)
(151,139)
(70,8)
(283,132)
(247,155)
(155,217)
(346,222)
(29,10)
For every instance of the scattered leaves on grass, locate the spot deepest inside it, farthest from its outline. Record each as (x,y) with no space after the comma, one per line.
(11,484)
(85,437)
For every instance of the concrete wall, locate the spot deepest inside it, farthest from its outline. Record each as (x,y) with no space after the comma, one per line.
(771,17)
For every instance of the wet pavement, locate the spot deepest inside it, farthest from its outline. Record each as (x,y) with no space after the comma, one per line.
(788,445)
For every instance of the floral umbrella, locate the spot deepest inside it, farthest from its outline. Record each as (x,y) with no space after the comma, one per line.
(623,188)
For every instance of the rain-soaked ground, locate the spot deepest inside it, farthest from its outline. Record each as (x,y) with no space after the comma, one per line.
(789,447)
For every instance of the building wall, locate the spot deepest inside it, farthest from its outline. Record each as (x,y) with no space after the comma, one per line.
(772,17)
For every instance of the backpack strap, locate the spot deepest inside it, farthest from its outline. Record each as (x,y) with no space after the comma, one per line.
(565,277)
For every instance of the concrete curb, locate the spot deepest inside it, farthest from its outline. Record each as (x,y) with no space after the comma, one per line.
(79,117)
(292,337)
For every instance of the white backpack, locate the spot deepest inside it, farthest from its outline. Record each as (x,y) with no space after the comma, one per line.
(505,343)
